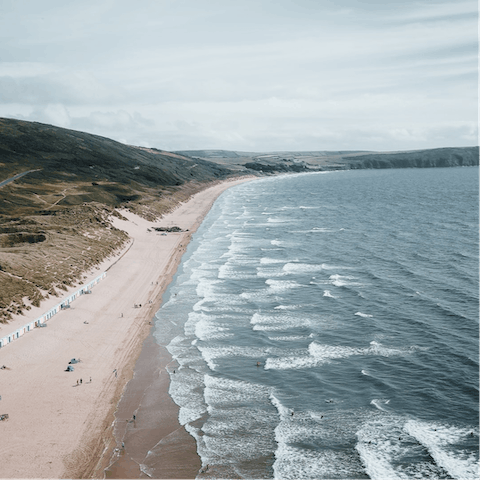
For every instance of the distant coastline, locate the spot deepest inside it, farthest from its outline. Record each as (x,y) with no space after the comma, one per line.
(286,162)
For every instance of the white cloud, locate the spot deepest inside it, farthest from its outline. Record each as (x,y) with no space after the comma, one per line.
(54,114)
(247,75)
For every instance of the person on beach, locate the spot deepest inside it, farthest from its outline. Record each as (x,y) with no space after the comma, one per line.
(80,381)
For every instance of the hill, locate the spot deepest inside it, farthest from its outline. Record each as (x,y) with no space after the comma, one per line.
(54,220)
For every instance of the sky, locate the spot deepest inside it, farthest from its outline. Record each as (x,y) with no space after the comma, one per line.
(248,75)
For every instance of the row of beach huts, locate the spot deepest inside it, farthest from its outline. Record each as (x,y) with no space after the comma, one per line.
(40,322)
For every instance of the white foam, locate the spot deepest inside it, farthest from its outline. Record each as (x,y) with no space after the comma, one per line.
(366,315)
(327,293)
(239,426)
(279,220)
(211,354)
(277,243)
(325,266)
(293,461)
(206,287)
(279,286)
(343,280)
(228,271)
(379,445)
(380,403)
(288,307)
(207,328)
(314,230)
(185,390)
(296,268)
(318,354)
(289,338)
(282,410)
(270,261)
(221,391)
(437,438)
(263,322)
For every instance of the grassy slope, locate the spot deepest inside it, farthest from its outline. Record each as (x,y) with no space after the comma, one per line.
(54,222)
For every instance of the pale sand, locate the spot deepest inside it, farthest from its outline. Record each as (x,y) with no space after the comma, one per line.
(57,429)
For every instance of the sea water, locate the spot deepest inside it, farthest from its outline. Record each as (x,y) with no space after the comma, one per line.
(325,325)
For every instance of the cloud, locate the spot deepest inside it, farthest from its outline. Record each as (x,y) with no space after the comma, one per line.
(53,114)
(67,87)
(247,75)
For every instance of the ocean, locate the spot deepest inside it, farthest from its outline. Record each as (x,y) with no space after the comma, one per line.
(326,325)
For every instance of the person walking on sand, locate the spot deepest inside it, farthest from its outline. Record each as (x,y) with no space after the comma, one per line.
(80,381)
(77,383)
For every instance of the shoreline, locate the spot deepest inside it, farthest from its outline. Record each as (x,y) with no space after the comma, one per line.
(58,431)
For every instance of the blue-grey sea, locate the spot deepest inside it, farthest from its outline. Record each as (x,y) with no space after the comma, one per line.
(326,325)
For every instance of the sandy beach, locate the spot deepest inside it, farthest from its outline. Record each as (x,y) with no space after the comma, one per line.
(56,427)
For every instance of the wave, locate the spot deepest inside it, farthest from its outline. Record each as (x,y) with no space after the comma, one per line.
(262,322)
(279,286)
(378,447)
(344,281)
(289,338)
(229,271)
(208,328)
(318,354)
(360,314)
(234,406)
(279,220)
(327,293)
(288,307)
(438,439)
(211,354)
(271,261)
(326,266)
(318,230)
(293,461)
(296,268)
(379,403)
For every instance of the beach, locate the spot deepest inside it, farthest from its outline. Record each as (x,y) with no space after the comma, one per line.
(60,424)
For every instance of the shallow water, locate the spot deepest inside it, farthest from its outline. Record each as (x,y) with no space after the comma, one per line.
(357,294)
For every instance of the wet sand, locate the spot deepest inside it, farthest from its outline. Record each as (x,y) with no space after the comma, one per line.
(155,427)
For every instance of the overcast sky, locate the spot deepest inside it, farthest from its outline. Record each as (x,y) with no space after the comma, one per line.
(252,75)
